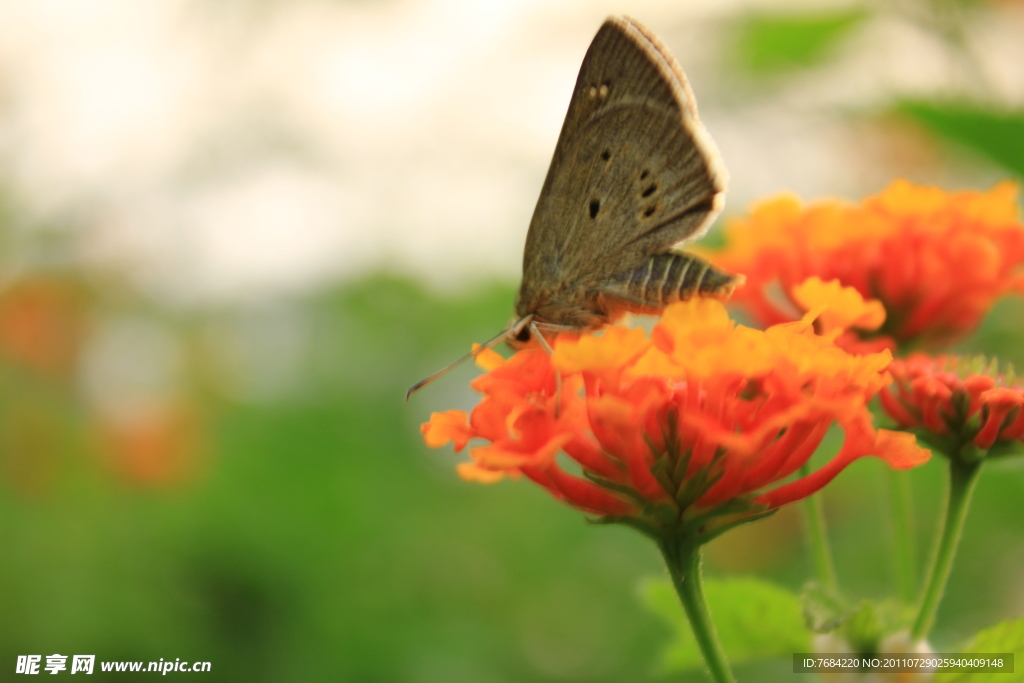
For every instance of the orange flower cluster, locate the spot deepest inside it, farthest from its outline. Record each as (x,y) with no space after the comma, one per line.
(935,260)
(693,423)
(956,403)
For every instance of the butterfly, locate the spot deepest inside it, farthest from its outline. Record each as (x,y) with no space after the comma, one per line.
(634,175)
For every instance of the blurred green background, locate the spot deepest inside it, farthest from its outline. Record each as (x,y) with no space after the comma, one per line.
(234,477)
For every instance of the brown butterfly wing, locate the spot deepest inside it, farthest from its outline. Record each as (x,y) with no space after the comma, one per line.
(634,172)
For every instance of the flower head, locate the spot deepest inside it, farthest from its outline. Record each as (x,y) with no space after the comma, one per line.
(935,260)
(965,406)
(700,424)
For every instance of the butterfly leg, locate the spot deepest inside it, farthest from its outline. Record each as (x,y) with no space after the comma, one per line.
(535,331)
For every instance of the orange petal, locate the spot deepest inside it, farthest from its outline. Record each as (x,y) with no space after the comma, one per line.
(451,425)
(488,359)
(470,471)
(844,306)
(899,449)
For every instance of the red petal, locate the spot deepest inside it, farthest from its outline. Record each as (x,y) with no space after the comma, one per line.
(580,493)
(896,410)
(998,403)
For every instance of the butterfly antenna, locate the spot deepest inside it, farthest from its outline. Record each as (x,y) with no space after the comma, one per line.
(472,354)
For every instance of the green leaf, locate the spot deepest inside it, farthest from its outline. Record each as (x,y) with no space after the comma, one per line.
(1007,636)
(754,619)
(774,43)
(998,136)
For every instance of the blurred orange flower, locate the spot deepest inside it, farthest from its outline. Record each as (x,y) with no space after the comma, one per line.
(160,447)
(957,404)
(690,426)
(42,323)
(935,260)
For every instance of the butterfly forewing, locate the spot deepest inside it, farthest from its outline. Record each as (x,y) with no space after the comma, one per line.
(633,174)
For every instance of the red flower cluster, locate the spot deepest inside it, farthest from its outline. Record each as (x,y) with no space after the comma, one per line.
(956,402)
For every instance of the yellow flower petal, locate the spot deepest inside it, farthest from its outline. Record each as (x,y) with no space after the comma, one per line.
(844,307)
(617,346)
(488,359)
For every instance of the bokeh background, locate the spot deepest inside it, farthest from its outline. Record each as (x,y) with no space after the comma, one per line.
(232,232)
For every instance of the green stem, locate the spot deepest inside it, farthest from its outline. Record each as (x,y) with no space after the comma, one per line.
(817,538)
(683,561)
(903,547)
(962,479)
